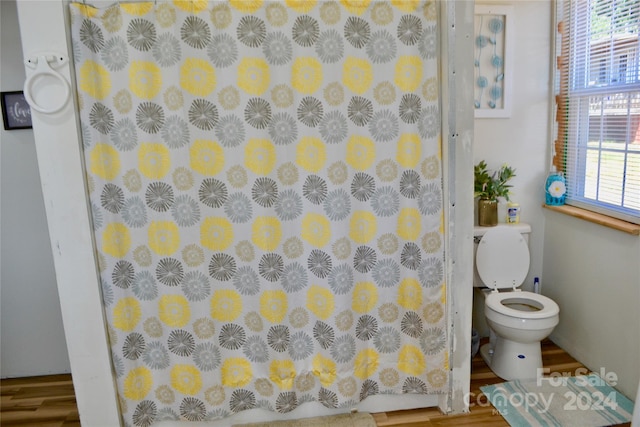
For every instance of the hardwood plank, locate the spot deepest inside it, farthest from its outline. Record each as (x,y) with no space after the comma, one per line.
(45,401)
(43,391)
(34,381)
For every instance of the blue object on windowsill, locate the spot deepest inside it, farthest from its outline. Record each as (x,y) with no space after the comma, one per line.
(555,189)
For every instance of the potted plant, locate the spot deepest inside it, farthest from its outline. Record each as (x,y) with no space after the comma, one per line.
(488,187)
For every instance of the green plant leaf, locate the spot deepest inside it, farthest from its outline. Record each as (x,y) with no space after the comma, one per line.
(489,185)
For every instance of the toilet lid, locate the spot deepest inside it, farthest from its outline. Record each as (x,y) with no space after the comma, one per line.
(502,258)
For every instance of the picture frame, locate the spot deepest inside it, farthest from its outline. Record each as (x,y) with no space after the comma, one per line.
(16,113)
(493,60)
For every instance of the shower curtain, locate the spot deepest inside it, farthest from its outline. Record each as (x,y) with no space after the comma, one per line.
(266,191)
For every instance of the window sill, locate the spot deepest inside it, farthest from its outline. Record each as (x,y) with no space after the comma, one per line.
(597,218)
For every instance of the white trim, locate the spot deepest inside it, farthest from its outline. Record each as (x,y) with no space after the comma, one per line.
(457,149)
(57,139)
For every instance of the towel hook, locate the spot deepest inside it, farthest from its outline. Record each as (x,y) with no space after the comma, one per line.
(41,66)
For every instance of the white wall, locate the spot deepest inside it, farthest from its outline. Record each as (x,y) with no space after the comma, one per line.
(522,139)
(591,271)
(32,337)
(593,274)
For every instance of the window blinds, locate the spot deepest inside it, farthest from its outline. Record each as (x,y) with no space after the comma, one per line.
(598,105)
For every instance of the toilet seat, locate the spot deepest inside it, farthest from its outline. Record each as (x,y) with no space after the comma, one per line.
(547,306)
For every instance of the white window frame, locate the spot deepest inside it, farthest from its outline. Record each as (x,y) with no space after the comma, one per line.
(577,138)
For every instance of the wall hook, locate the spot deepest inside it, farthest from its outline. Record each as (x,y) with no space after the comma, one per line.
(42,66)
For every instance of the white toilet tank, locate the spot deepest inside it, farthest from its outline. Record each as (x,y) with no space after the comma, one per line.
(478,232)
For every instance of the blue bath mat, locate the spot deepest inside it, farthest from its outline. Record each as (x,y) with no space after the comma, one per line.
(580,401)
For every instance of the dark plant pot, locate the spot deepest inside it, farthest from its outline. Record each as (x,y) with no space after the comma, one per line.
(487,212)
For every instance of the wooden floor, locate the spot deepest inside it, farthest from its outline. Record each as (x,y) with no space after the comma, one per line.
(49,401)
(481,414)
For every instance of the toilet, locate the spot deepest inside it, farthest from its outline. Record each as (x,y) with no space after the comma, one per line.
(517,320)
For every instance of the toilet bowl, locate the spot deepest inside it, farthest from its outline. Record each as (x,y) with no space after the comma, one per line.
(518,320)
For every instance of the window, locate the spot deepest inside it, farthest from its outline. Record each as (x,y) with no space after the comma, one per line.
(622,69)
(598,105)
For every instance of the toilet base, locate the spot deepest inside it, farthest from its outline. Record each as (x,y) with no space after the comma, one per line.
(512,360)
